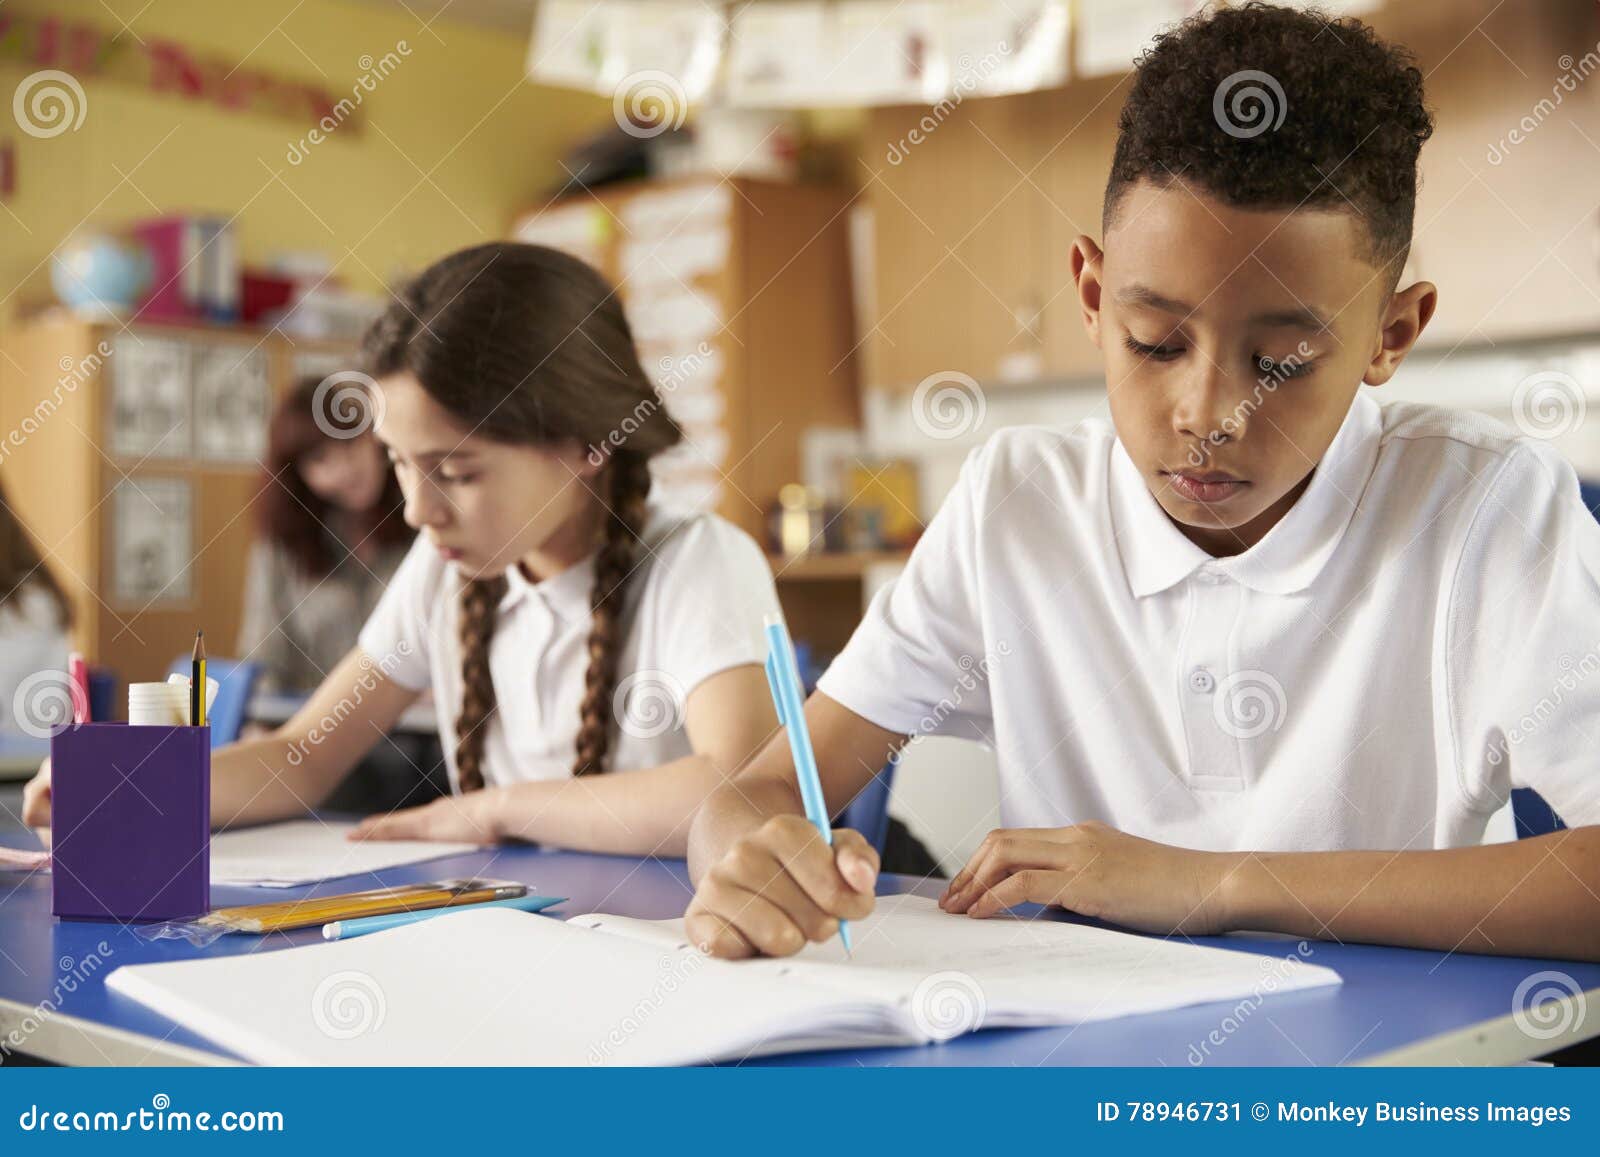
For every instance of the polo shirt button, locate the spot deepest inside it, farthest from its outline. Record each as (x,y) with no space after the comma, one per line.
(1200,680)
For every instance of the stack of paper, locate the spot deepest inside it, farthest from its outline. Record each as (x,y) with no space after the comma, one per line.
(309,851)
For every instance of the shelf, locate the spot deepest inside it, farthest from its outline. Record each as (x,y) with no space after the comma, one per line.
(832,567)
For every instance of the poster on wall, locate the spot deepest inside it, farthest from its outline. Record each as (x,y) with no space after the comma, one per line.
(152,542)
(232,392)
(148,415)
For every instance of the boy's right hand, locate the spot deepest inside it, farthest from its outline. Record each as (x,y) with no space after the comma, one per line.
(36,799)
(781,886)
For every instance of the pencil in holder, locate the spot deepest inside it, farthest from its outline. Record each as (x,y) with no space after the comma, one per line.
(130,822)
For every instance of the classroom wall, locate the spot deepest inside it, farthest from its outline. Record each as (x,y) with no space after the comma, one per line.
(452,143)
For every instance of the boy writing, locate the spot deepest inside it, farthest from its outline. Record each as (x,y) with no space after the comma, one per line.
(1262,654)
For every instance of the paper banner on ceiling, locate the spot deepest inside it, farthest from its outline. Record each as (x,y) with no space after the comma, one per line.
(663,52)
(1111,33)
(810,53)
(663,55)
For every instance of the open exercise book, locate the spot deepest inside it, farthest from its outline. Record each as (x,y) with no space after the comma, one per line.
(511,988)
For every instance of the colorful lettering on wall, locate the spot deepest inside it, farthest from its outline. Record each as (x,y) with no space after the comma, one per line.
(161,66)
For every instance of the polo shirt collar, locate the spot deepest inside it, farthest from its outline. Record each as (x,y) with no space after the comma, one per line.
(566,594)
(1156,555)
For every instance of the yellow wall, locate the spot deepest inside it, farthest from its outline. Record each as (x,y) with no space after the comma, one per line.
(459,99)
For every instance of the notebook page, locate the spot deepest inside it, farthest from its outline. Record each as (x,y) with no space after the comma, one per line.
(946,971)
(309,851)
(494,987)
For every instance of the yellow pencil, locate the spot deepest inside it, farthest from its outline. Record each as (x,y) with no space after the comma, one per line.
(197,681)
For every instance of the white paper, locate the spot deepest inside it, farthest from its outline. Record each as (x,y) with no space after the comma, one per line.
(988,49)
(148,406)
(152,535)
(231,394)
(310,851)
(578,230)
(568,46)
(497,987)
(1111,33)
(676,258)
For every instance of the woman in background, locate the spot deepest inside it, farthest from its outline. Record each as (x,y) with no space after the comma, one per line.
(332,534)
(34,618)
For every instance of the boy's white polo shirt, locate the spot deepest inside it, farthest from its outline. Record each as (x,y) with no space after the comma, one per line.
(1420,633)
(694,606)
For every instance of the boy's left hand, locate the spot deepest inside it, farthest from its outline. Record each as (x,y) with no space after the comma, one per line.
(464,818)
(1096,871)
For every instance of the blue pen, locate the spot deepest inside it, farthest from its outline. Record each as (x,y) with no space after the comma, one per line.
(345,929)
(783,676)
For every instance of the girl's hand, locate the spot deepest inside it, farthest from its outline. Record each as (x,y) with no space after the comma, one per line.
(458,818)
(36,802)
(1096,871)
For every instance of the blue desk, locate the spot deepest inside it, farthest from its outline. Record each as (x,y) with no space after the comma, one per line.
(1395,1003)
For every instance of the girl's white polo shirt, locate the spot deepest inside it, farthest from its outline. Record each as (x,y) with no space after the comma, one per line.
(694,606)
(1419,634)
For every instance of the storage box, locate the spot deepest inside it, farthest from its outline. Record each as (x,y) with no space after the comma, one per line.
(130,822)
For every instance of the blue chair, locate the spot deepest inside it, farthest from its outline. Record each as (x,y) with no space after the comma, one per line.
(236,681)
(868,813)
(1533,816)
(102,693)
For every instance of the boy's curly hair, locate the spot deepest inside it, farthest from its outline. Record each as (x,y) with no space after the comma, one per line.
(1268,107)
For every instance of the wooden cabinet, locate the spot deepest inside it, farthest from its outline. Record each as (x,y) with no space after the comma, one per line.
(974,223)
(976,204)
(1506,220)
(739,296)
(78,476)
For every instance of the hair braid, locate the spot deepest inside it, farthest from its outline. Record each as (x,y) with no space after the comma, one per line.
(629,487)
(480,601)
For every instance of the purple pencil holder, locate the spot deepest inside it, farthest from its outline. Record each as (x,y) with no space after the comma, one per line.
(130,822)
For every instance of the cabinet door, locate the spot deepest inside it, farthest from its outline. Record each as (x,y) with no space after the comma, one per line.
(1007,252)
(1081,125)
(1506,220)
(921,194)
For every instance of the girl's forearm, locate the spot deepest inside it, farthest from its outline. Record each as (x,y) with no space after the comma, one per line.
(258,780)
(641,813)
(1533,897)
